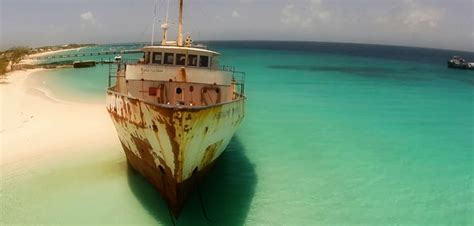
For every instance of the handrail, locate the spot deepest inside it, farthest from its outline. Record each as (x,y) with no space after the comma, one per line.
(111,90)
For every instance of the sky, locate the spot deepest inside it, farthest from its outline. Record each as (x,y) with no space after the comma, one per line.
(445,24)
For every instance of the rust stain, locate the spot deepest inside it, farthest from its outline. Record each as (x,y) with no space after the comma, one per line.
(160,177)
(167,120)
(210,153)
(144,148)
(126,113)
(189,117)
(183,74)
(130,114)
(128,109)
(187,128)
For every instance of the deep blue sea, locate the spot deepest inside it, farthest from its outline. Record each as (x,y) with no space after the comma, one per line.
(334,134)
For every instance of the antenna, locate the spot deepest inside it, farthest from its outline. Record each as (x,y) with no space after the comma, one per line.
(180,25)
(167,11)
(164,26)
(153,27)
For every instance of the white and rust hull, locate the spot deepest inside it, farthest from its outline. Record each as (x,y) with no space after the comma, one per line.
(173,146)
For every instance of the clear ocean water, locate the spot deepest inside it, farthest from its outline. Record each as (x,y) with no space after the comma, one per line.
(335,134)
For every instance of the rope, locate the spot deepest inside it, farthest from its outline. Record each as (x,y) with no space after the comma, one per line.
(169,209)
(171,216)
(202,205)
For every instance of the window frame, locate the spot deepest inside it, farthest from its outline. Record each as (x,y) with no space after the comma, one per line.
(177,57)
(153,59)
(146,57)
(199,61)
(165,58)
(188,63)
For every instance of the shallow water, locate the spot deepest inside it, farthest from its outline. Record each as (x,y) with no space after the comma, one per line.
(334,134)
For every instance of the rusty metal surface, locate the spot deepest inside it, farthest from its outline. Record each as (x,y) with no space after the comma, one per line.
(173,146)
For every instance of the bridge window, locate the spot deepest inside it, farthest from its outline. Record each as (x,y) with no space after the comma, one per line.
(203,61)
(157,58)
(169,58)
(180,59)
(192,60)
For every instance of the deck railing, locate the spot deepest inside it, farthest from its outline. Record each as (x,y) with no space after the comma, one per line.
(237,76)
(112,73)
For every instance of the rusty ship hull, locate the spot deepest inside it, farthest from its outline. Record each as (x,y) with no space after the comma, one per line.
(173,146)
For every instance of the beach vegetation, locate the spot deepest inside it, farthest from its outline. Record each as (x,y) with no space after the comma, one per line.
(13,55)
(16,54)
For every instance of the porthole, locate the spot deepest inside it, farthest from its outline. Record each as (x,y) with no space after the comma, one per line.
(179,90)
(191,89)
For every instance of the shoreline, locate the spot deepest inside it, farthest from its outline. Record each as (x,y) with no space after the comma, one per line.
(35,123)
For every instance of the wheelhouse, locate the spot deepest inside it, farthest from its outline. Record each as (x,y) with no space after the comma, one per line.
(189,57)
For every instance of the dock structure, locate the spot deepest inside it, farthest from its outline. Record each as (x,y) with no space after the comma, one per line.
(71,55)
(58,64)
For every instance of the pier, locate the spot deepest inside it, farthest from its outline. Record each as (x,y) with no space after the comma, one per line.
(72,55)
(67,60)
(56,64)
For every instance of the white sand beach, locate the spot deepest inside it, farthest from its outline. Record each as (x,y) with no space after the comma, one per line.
(33,124)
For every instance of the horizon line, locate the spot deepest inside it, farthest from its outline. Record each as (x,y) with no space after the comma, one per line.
(257,40)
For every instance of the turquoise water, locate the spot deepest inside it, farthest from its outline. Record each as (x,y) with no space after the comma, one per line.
(335,134)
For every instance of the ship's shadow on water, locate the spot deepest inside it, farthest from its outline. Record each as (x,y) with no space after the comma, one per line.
(227,192)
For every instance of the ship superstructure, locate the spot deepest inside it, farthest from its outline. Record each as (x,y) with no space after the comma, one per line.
(175,111)
(459,63)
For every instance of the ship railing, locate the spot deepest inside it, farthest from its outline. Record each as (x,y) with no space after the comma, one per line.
(113,69)
(226,68)
(237,76)
(116,67)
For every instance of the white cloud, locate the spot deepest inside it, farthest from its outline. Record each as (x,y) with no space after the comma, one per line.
(235,14)
(420,16)
(318,11)
(413,16)
(88,19)
(304,16)
(290,15)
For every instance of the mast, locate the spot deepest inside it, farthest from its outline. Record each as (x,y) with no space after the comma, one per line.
(153,27)
(180,25)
